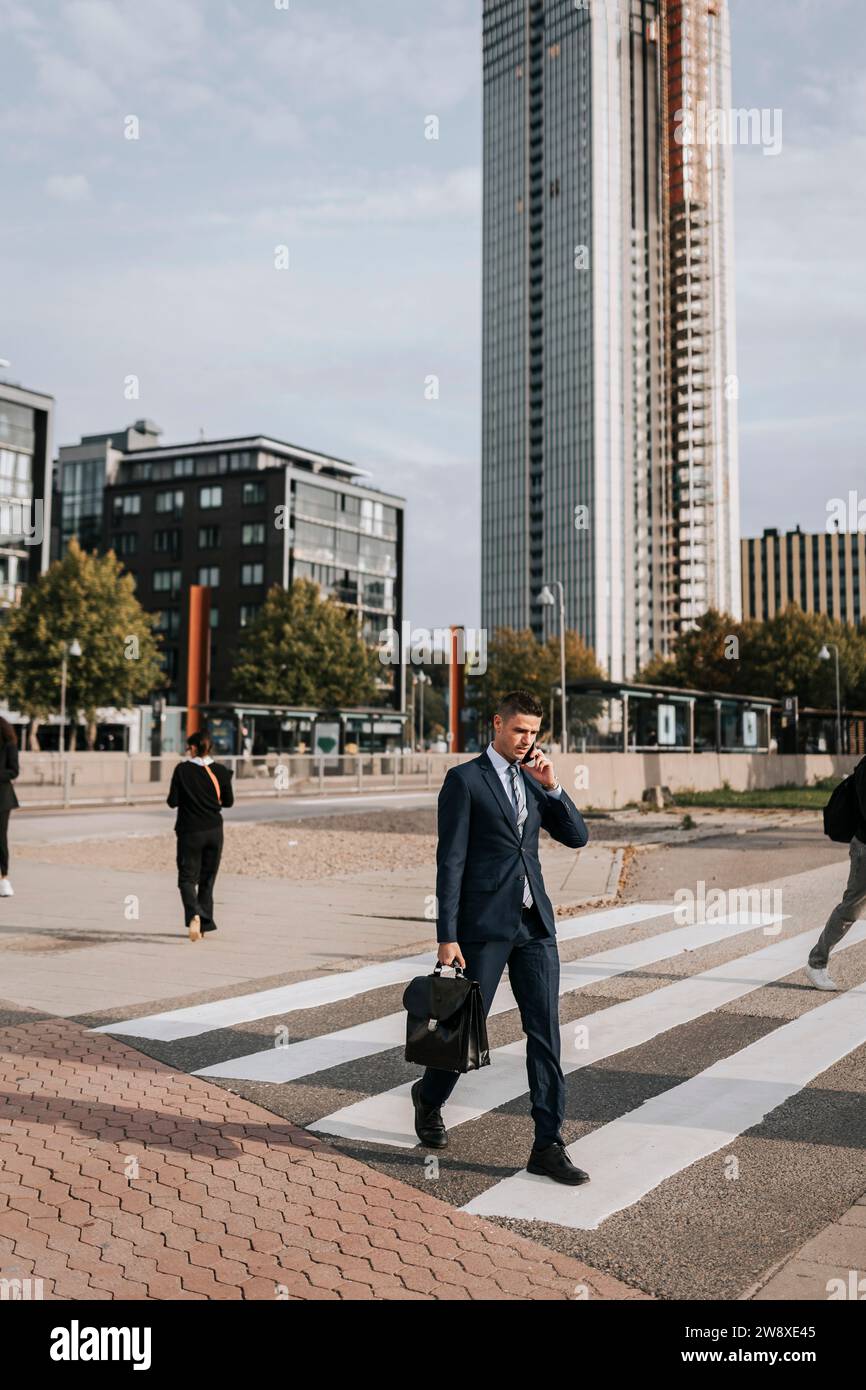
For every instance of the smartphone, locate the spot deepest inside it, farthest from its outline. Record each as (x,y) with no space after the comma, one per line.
(531,751)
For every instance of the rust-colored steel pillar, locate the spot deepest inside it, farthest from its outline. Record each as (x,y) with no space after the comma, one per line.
(198,655)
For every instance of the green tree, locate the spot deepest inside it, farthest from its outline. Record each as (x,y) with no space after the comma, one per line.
(773,658)
(517,661)
(88,597)
(780,657)
(706,657)
(304,649)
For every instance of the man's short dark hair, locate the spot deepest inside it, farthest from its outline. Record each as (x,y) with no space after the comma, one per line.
(520,702)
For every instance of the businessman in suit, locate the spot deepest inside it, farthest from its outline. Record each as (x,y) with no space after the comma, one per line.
(493,911)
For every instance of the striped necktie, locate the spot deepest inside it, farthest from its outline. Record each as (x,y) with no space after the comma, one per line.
(519,797)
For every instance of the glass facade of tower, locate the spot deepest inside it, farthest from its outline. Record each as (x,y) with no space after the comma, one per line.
(582,343)
(505,449)
(25,485)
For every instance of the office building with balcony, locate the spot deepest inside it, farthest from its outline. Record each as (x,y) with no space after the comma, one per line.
(238,516)
(25,487)
(82,473)
(824,572)
(609,457)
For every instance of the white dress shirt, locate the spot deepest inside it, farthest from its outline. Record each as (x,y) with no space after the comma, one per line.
(502,765)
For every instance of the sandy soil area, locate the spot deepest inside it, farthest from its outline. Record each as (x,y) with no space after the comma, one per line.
(307,849)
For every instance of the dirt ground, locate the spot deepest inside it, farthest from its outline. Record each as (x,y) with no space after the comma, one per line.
(724,848)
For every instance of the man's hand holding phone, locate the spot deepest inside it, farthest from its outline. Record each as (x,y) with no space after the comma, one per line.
(539,768)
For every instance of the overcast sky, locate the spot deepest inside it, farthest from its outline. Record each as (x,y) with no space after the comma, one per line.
(262,127)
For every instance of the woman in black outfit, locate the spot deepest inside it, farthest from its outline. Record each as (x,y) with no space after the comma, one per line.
(200,788)
(8,799)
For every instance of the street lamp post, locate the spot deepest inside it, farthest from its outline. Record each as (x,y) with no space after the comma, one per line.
(423,680)
(72,648)
(824,655)
(546,598)
(554,690)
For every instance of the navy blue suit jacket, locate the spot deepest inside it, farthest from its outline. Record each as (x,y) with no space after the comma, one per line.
(481,860)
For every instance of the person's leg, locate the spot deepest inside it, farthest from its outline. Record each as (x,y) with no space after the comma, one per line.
(4,843)
(533,972)
(188,872)
(846,912)
(211,854)
(485,962)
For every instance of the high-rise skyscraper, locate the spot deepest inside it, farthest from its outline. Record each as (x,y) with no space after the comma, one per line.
(609,389)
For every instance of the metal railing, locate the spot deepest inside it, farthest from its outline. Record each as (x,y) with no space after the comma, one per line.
(81,779)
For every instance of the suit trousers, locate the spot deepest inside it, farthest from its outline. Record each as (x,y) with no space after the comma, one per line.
(4,842)
(532,957)
(198,858)
(852,906)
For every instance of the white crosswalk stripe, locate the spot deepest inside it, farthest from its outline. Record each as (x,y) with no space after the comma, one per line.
(631,1156)
(348,984)
(627,1158)
(289,1063)
(388,1118)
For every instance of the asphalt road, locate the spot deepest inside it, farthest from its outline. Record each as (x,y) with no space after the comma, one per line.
(34,826)
(720,1116)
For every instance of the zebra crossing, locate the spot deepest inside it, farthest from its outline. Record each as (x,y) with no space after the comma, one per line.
(628,1156)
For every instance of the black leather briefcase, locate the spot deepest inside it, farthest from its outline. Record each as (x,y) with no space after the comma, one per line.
(445,1024)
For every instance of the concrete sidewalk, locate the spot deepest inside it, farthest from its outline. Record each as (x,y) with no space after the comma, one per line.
(78,941)
(833,1263)
(122,1178)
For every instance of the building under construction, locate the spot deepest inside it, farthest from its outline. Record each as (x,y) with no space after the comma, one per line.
(609,449)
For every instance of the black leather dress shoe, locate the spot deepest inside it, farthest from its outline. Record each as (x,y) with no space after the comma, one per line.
(428,1121)
(555,1163)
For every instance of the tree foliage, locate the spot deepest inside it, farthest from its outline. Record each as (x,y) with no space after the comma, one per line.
(774,658)
(304,649)
(88,597)
(516,660)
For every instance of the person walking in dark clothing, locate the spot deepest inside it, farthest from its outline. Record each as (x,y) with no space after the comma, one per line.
(8,799)
(493,911)
(200,789)
(853,904)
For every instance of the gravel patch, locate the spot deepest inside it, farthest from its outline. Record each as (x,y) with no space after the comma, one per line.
(299,850)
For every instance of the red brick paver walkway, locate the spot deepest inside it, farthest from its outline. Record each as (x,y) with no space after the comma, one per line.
(122,1178)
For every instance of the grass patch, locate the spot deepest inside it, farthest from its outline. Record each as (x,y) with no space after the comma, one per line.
(789,797)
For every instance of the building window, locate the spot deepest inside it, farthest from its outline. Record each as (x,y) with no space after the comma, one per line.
(253,533)
(125,543)
(312,501)
(170,503)
(209,575)
(252,574)
(214,618)
(169,662)
(168,622)
(183,468)
(248,612)
(166,542)
(166,581)
(253,493)
(211,496)
(127,504)
(208,537)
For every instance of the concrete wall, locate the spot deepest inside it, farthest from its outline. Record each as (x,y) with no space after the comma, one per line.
(605,781)
(611,780)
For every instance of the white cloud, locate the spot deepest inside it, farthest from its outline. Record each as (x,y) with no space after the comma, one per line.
(340,60)
(68,188)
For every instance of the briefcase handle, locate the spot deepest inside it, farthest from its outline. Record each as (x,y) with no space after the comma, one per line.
(439,967)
